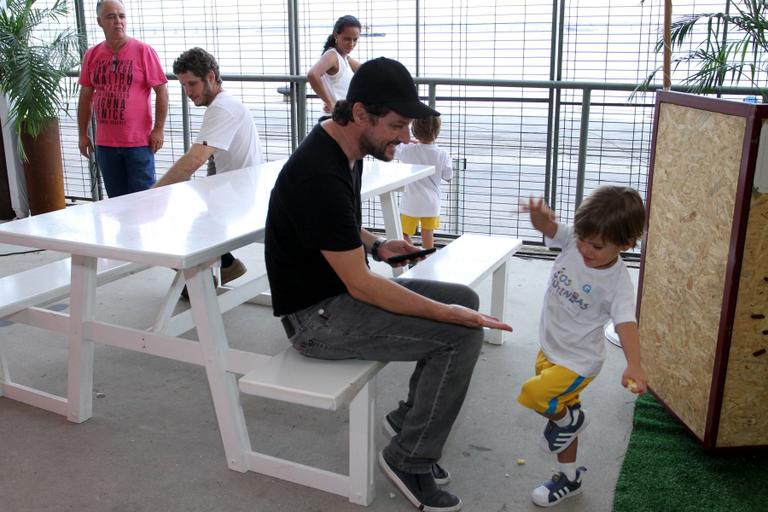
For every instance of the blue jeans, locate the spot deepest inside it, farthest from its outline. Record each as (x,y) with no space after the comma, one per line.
(342,327)
(126,170)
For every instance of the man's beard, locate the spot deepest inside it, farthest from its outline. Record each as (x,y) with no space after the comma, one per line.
(378,152)
(206,96)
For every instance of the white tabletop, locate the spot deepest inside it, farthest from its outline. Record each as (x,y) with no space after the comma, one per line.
(183,226)
(180,225)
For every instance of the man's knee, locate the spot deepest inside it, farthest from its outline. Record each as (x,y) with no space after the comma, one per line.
(447,293)
(469,340)
(470,298)
(462,295)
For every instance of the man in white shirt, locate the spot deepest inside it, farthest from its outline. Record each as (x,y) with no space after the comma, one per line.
(227,140)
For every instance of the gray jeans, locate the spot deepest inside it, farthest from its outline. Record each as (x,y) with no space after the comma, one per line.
(342,327)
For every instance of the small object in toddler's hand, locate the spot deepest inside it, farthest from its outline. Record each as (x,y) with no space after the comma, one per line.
(631,385)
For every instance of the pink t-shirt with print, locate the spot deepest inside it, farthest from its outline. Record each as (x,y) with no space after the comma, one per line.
(121,84)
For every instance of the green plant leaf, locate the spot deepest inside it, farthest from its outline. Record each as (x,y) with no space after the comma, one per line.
(732,48)
(32,68)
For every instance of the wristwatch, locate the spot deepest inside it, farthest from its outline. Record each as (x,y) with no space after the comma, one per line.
(375,248)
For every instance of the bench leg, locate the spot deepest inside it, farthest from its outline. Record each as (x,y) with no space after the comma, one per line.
(361,448)
(80,368)
(498,303)
(223,385)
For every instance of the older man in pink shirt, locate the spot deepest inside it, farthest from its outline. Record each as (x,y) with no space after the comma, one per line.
(116,80)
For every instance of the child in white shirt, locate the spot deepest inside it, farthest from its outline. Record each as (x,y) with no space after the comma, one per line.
(588,286)
(420,202)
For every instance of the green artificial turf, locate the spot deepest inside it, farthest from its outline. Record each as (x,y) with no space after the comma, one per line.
(666,469)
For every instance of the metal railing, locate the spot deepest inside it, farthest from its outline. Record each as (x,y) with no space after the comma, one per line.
(556,147)
(523,126)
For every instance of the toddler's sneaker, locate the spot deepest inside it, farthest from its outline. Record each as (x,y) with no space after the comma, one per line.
(442,476)
(557,438)
(557,489)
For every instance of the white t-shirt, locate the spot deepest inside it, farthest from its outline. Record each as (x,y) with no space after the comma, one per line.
(579,301)
(422,198)
(338,83)
(228,127)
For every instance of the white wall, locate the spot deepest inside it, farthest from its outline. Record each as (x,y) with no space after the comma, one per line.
(16,182)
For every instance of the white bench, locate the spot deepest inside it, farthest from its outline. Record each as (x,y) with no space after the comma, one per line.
(20,294)
(51,282)
(468,260)
(324,384)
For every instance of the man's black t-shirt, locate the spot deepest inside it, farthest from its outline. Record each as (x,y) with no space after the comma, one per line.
(314,206)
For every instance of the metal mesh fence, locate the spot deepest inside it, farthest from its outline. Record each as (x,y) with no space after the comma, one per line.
(507,142)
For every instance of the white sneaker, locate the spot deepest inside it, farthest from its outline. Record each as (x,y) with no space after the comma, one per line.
(556,438)
(557,489)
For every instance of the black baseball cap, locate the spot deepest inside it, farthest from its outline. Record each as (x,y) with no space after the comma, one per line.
(386,82)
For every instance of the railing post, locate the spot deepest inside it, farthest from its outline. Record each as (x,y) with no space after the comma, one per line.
(583,140)
(301,117)
(555,97)
(186,135)
(297,93)
(93,166)
(418,38)
(459,165)
(432,94)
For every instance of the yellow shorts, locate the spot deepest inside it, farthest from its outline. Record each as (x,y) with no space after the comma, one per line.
(411,223)
(553,387)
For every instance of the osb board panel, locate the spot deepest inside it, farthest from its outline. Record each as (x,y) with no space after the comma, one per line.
(743,420)
(695,176)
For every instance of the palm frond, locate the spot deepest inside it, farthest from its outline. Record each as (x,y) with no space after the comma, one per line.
(32,68)
(717,59)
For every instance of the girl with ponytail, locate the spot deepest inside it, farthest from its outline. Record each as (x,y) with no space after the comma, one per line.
(330,76)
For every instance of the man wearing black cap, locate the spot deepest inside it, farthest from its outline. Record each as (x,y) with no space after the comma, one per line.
(333,307)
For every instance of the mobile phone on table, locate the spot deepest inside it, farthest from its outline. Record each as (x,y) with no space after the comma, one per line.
(411,255)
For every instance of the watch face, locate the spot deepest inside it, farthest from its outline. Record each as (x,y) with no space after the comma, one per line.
(375,248)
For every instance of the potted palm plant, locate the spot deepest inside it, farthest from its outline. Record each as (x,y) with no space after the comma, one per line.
(32,68)
(732,49)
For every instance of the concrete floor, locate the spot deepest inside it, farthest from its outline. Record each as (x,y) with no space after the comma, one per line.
(153,442)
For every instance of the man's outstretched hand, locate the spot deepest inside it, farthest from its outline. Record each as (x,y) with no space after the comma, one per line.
(466,316)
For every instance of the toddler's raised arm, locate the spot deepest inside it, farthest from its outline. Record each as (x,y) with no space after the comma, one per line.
(543,217)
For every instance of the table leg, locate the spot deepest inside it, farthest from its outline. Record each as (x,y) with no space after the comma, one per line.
(392,226)
(224,390)
(498,299)
(169,303)
(81,311)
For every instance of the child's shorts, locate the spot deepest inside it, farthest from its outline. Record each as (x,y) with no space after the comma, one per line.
(553,387)
(411,223)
